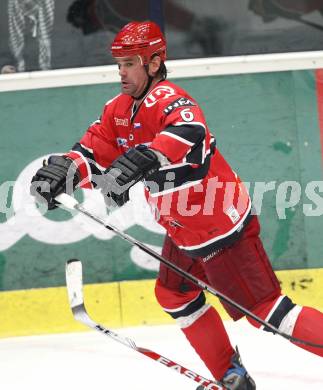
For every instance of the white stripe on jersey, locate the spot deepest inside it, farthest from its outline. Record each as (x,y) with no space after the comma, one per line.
(100,167)
(206,243)
(190,123)
(89,173)
(203,152)
(86,148)
(182,187)
(111,100)
(171,166)
(177,137)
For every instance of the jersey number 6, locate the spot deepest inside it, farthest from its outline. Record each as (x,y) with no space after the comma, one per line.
(187,115)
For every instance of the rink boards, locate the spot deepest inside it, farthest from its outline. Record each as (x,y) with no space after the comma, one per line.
(118,304)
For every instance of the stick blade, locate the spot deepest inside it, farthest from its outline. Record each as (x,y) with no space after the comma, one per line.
(74,282)
(67,201)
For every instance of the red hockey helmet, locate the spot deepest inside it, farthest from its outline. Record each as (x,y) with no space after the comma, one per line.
(139,38)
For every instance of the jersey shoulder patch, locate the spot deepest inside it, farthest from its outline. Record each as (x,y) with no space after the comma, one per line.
(179,102)
(159,93)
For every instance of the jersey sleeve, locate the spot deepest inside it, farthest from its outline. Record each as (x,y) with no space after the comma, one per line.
(184,138)
(96,150)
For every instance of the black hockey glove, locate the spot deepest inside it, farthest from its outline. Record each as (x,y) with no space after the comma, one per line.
(125,171)
(58,176)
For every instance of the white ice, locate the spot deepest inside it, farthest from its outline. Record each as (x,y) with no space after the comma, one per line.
(91,360)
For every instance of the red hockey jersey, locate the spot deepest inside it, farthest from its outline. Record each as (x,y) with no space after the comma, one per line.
(197,197)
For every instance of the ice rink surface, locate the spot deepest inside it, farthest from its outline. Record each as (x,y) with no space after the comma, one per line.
(92,361)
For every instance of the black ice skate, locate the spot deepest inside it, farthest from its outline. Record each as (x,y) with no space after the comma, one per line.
(236,377)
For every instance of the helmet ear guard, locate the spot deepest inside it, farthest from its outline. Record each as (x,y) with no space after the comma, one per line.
(139,38)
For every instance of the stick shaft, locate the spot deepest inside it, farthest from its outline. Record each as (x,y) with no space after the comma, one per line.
(70,202)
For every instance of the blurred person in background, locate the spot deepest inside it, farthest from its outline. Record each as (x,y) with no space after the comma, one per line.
(35,18)
(94,15)
(270,10)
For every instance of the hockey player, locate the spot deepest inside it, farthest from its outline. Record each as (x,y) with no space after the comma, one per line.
(155,132)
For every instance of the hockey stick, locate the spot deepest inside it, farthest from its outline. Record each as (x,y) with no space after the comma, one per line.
(74,283)
(71,203)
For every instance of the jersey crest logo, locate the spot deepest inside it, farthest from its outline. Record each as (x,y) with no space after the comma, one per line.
(181,102)
(161,92)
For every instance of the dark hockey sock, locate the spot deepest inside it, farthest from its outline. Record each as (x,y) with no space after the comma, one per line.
(309,327)
(210,340)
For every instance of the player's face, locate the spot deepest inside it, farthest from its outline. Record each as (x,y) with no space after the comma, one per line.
(133,75)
